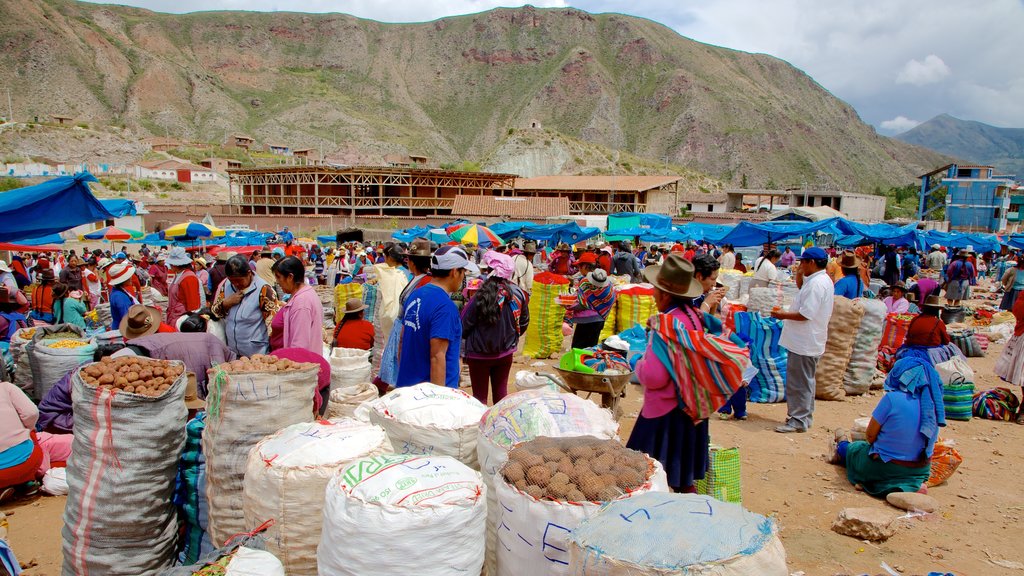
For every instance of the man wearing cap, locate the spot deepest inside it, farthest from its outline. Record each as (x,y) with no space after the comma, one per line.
(184,293)
(522,276)
(431,327)
(804,332)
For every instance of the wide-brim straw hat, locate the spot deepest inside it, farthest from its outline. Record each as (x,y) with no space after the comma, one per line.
(849,260)
(675,276)
(354,305)
(932,302)
(192,400)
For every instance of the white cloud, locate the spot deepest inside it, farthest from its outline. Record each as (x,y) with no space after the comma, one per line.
(898,124)
(928,71)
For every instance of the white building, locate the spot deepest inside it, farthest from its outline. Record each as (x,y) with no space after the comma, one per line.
(703,202)
(174,170)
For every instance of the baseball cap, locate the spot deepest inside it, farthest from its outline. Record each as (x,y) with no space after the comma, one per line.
(814,253)
(452,258)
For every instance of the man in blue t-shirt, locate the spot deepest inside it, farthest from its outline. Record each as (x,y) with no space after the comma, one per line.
(431,327)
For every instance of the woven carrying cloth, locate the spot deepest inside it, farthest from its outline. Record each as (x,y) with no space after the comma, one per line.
(706,369)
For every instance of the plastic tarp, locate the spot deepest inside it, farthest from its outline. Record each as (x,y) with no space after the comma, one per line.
(699,231)
(856,233)
(570,233)
(510,230)
(48,240)
(326,239)
(433,234)
(119,207)
(27,248)
(29,212)
(980,242)
(636,219)
(750,234)
(1015,241)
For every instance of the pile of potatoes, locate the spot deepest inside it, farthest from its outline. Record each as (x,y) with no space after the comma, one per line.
(579,469)
(264,363)
(132,374)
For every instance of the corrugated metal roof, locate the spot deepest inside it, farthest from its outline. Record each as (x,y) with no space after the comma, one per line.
(513,207)
(595,183)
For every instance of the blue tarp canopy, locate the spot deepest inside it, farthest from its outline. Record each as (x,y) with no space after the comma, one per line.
(750,234)
(637,219)
(509,230)
(1015,241)
(437,235)
(570,233)
(979,242)
(856,234)
(51,207)
(248,238)
(47,240)
(326,239)
(119,207)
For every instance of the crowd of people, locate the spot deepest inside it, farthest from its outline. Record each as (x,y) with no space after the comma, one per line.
(454,305)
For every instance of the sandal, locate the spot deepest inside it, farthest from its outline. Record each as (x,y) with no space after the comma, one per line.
(840,435)
(6,493)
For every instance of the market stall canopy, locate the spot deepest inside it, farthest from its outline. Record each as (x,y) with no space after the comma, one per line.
(474,234)
(750,234)
(30,212)
(857,234)
(979,242)
(27,248)
(191,231)
(119,207)
(112,233)
(570,233)
(1015,241)
(48,240)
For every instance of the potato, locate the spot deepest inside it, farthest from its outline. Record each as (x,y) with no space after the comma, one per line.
(145,374)
(106,379)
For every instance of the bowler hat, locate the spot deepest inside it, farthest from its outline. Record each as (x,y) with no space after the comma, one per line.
(849,260)
(674,277)
(141,320)
(932,302)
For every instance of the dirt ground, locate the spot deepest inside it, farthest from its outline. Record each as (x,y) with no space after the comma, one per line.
(786,476)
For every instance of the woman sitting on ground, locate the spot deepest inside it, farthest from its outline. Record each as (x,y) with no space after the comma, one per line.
(352,331)
(901,434)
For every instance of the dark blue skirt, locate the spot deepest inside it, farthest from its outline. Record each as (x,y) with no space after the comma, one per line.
(673,440)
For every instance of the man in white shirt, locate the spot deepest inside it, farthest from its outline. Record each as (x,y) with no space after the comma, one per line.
(728,258)
(804,333)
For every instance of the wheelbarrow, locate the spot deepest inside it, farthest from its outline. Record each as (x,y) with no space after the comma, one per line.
(611,387)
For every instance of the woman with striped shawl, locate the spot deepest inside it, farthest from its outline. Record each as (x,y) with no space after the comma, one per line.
(686,373)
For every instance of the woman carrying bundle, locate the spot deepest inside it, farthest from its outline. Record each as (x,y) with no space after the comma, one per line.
(68,307)
(677,365)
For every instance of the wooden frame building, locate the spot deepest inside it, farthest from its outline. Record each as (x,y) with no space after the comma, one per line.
(357,190)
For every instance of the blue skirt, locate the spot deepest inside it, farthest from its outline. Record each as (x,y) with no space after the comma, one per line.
(674,440)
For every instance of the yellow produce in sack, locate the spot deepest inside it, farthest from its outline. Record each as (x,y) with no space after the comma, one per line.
(69,344)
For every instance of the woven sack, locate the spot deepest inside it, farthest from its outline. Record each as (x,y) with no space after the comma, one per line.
(762,337)
(864,356)
(643,536)
(610,323)
(895,332)
(119,517)
(945,461)
(842,329)
(342,294)
(967,342)
(286,479)
(243,408)
(343,402)
(722,479)
(635,304)
(521,417)
(22,366)
(50,364)
(190,494)
(544,334)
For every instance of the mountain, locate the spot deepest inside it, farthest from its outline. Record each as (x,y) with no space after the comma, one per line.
(972,141)
(452,89)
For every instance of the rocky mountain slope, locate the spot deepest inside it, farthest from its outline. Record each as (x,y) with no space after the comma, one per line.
(450,89)
(972,141)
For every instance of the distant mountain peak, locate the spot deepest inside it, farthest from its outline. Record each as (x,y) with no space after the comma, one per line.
(972,141)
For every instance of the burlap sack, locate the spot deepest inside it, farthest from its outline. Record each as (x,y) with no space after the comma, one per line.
(842,330)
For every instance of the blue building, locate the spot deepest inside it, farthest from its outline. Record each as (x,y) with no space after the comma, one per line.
(974,197)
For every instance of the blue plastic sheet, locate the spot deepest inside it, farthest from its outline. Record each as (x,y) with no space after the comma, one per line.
(30,212)
(570,233)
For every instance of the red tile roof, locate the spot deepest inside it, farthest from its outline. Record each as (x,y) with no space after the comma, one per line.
(513,207)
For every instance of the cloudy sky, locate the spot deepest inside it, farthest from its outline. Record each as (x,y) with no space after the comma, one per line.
(898,63)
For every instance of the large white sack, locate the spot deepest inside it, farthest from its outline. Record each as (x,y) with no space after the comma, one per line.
(119,517)
(243,408)
(430,420)
(286,480)
(50,364)
(864,357)
(532,534)
(681,534)
(402,514)
(526,415)
(342,402)
(19,347)
(349,367)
